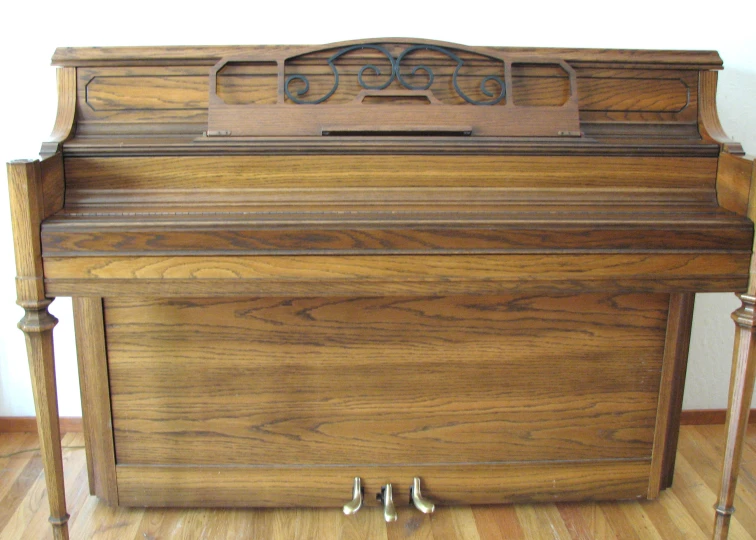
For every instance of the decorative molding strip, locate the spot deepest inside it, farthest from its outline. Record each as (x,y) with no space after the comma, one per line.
(28,424)
(708,417)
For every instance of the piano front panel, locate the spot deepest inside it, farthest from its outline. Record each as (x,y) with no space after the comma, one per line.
(462,381)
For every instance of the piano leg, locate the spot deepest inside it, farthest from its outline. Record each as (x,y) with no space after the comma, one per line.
(37,325)
(741,390)
(25,183)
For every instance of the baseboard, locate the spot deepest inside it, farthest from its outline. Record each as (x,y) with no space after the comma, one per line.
(709,416)
(28,424)
(72,424)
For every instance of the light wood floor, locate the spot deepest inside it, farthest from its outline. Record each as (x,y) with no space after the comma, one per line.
(684,512)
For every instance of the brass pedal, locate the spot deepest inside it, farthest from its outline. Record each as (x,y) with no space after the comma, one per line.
(353,506)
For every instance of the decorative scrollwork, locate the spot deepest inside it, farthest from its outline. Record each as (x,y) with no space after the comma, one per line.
(334,69)
(396,74)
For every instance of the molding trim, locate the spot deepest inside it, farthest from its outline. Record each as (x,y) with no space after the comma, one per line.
(28,424)
(709,416)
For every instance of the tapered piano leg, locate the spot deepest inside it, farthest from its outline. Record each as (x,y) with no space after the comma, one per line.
(27,211)
(37,326)
(741,390)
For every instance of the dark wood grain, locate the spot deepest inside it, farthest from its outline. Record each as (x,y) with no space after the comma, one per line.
(198,236)
(285,378)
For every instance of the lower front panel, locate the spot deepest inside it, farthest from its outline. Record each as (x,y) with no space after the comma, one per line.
(282,401)
(332,486)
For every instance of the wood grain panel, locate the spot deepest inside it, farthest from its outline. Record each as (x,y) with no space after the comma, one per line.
(455,379)
(633,94)
(53,184)
(330,486)
(366,172)
(406,269)
(675,361)
(180,93)
(734,179)
(146,92)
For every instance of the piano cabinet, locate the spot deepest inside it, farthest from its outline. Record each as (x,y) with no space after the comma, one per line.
(381,273)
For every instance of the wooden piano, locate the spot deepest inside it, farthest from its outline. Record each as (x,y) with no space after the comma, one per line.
(387,272)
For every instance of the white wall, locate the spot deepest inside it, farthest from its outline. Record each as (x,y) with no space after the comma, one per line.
(32,30)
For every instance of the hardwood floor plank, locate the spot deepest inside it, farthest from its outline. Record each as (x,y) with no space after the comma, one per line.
(671,518)
(369,523)
(639,521)
(454,522)
(574,520)
(704,447)
(75,476)
(619,522)
(14,470)
(495,522)
(411,524)
(598,522)
(700,499)
(159,523)
(542,522)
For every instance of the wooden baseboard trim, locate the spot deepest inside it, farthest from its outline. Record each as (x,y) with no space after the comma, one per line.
(72,424)
(709,417)
(28,424)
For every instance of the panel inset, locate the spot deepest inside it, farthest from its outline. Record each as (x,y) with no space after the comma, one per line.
(346,380)
(244,83)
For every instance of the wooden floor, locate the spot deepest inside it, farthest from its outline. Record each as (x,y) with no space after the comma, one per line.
(684,512)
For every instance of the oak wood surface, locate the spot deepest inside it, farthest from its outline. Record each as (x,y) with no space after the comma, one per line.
(66,114)
(708,118)
(648,136)
(28,424)
(683,511)
(291,172)
(742,379)
(95,396)
(184,486)
(136,93)
(26,186)
(679,326)
(209,55)
(323,275)
(283,381)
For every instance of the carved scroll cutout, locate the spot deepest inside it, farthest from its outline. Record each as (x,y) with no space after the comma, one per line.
(414,86)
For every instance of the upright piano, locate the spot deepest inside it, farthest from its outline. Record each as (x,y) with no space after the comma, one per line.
(387,272)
